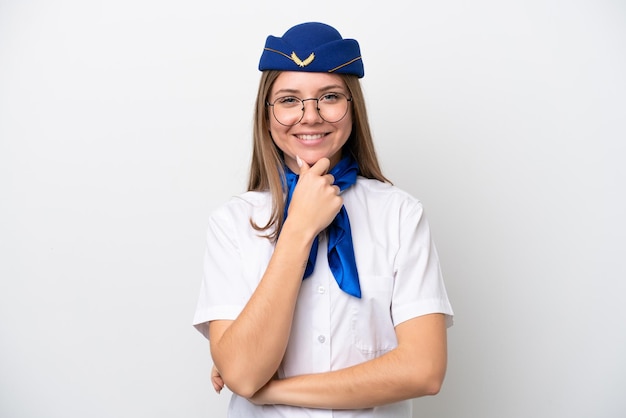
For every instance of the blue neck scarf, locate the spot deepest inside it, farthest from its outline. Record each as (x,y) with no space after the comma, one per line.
(340,249)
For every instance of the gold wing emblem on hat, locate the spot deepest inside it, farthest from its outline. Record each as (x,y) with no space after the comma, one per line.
(301,63)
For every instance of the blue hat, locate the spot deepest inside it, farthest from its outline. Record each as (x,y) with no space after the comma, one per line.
(312,47)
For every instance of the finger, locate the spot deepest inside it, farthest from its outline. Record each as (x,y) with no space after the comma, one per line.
(304,167)
(217,386)
(330,178)
(218,383)
(321,166)
(216,379)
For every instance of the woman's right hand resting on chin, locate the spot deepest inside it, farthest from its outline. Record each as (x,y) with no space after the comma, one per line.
(316,201)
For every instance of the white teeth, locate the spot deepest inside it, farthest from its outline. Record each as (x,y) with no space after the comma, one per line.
(310,137)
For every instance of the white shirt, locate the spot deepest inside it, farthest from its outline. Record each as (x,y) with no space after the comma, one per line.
(399,275)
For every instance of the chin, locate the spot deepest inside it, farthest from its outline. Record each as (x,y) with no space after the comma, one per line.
(312,159)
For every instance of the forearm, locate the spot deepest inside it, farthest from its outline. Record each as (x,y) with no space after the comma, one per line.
(409,371)
(378,382)
(248,350)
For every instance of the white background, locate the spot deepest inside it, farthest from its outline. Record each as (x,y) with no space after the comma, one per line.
(123,123)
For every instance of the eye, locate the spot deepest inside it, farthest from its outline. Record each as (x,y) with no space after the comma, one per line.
(288,101)
(331,97)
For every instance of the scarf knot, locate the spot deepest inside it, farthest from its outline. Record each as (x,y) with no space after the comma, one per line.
(341,258)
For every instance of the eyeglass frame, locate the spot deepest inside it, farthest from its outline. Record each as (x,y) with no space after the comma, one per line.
(317,107)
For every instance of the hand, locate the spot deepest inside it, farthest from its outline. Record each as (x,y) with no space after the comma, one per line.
(316,201)
(216,379)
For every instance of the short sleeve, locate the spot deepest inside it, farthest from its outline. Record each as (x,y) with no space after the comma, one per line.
(418,283)
(221,294)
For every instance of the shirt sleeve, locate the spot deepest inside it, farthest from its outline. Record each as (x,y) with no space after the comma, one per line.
(418,283)
(221,294)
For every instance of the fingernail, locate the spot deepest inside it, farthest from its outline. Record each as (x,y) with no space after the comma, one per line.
(299,161)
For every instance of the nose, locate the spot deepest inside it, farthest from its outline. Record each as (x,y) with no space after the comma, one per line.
(312,115)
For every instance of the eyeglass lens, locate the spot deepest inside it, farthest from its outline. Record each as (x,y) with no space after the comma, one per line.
(289,110)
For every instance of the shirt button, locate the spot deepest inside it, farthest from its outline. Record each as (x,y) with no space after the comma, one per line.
(321,289)
(321,339)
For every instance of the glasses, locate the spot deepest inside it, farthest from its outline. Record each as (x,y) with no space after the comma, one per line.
(289,110)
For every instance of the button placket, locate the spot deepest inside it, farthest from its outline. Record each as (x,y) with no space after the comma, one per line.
(320,332)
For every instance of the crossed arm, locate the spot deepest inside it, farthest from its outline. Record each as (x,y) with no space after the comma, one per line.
(415,368)
(248,351)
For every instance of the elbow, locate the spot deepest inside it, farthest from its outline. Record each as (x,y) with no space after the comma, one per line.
(244,391)
(238,377)
(432,387)
(428,383)
(426,387)
(243,385)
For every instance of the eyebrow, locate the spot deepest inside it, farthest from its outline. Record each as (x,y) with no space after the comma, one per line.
(322,90)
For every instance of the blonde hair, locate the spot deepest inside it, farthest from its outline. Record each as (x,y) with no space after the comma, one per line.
(266,167)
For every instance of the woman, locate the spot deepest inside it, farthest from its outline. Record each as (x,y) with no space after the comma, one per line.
(322,293)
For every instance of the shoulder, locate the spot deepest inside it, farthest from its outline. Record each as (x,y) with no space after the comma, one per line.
(243,207)
(377,195)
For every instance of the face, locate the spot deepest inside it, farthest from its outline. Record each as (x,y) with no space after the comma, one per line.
(313,137)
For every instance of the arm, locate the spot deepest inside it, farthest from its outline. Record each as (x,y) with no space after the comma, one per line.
(416,367)
(248,350)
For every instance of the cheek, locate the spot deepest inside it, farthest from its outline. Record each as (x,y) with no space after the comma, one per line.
(277,130)
(348,128)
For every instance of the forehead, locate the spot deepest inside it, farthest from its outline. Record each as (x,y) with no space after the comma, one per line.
(306,83)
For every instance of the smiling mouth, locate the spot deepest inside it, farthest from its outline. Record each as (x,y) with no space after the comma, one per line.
(310,137)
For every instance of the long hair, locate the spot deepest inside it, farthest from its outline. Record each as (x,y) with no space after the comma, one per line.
(266,167)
